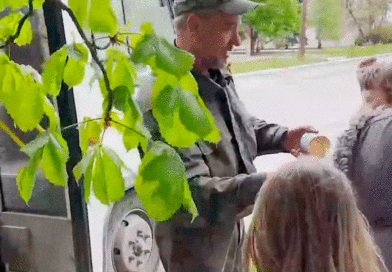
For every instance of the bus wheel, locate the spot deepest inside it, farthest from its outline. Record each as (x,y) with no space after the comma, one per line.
(129,242)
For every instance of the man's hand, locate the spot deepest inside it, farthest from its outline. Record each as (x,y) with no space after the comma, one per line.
(291,142)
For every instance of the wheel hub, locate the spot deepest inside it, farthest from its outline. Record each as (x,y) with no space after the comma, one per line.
(133,242)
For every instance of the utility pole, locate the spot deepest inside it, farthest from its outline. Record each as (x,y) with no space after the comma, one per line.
(302,37)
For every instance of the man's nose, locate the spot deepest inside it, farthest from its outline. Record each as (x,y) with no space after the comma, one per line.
(235,39)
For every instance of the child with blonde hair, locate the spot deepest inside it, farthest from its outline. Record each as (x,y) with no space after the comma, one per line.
(306,219)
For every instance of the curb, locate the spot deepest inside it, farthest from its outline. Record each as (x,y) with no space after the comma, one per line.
(271,71)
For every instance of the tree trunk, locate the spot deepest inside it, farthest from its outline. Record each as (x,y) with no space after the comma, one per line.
(302,37)
(249,50)
(356,22)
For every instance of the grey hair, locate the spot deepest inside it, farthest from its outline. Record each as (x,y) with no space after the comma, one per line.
(374,73)
(181,20)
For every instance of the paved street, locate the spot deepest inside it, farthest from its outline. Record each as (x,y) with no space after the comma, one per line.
(322,95)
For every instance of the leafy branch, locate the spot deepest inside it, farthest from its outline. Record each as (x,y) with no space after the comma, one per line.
(93,50)
(180,113)
(12,38)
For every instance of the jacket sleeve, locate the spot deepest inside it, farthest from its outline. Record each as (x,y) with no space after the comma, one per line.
(268,136)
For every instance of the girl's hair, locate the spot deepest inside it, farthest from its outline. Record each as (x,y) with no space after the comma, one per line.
(374,73)
(306,219)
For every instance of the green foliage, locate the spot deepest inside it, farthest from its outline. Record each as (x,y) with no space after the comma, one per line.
(9,26)
(101,169)
(79,8)
(53,72)
(21,95)
(101,17)
(27,175)
(74,69)
(180,112)
(48,151)
(381,34)
(275,17)
(161,184)
(54,157)
(158,53)
(327,17)
(361,40)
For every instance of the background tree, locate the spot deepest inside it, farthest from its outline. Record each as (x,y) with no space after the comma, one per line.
(327,18)
(367,14)
(30,98)
(274,18)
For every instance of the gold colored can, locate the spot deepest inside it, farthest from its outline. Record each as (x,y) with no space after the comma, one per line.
(314,144)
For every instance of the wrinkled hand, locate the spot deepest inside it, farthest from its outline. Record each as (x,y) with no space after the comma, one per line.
(291,142)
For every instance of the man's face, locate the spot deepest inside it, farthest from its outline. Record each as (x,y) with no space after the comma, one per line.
(215,37)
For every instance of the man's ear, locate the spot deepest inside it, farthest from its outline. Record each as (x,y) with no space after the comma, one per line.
(193,22)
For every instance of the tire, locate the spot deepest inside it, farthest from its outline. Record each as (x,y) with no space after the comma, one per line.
(128,241)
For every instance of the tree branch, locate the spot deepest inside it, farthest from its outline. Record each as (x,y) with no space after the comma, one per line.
(13,136)
(12,38)
(93,50)
(81,123)
(134,130)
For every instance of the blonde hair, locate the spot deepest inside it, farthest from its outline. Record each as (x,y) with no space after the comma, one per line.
(306,219)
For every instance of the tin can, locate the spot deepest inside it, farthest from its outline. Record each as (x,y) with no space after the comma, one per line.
(314,144)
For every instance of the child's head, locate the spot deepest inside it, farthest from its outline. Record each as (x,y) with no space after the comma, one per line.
(306,219)
(375,79)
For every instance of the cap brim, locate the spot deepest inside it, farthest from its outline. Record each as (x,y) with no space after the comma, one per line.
(237,7)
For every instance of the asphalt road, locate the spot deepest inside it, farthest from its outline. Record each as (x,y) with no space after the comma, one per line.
(322,95)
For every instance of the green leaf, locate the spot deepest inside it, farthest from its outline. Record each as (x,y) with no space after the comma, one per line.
(25,35)
(17,4)
(51,113)
(160,182)
(9,24)
(188,203)
(120,98)
(133,135)
(38,143)
(90,132)
(101,17)
(38,3)
(167,57)
(124,73)
(77,51)
(79,7)
(74,72)
(87,181)
(74,68)
(131,139)
(27,175)
(146,28)
(167,99)
(181,114)
(21,95)
(108,183)
(53,72)
(3,4)
(54,158)
(192,115)
(84,169)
